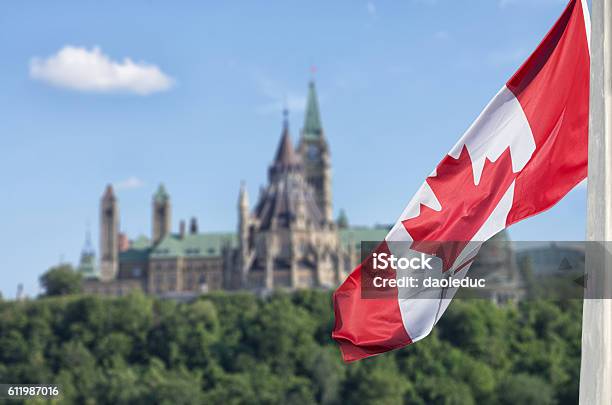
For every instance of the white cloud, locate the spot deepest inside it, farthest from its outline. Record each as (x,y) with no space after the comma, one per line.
(78,68)
(130,183)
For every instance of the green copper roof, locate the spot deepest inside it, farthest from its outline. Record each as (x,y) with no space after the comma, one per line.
(161,195)
(312,121)
(138,252)
(135,254)
(356,235)
(141,242)
(211,244)
(193,245)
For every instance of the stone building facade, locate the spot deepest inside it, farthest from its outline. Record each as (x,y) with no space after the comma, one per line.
(287,240)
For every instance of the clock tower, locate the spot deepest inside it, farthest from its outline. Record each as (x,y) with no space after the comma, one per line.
(315,155)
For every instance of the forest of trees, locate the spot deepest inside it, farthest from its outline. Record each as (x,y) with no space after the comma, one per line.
(236,348)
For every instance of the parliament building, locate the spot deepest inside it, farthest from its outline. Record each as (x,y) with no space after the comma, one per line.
(288,239)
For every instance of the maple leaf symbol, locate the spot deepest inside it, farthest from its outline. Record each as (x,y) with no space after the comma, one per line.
(465,205)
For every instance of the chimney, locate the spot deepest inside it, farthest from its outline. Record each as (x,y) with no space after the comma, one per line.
(182,229)
(193,226)
(124,242)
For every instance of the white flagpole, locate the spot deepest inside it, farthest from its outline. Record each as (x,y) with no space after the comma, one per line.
(596,364)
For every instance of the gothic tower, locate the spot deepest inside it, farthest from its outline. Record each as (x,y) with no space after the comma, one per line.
(290,238)
(109,234)
(315,155)
(161,214)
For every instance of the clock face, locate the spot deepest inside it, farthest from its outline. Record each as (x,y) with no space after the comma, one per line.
(313,152)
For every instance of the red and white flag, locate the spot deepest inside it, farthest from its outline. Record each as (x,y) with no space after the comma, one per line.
(525,151)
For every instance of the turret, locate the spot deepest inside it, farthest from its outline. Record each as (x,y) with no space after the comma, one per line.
(161,214)
(109,234)
(285,160)
(87,262)
(243,233)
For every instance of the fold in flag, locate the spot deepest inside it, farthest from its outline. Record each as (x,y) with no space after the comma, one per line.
(525,151)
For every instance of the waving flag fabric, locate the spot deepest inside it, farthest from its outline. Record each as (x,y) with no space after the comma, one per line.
(525,151)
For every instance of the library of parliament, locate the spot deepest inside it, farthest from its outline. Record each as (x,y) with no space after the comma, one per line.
(287,240)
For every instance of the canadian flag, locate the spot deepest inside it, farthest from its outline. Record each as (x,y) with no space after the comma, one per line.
(525,151)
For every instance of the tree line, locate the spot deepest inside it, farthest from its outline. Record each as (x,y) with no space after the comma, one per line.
(237,348)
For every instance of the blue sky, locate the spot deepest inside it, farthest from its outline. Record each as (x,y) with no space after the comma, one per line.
(394,77)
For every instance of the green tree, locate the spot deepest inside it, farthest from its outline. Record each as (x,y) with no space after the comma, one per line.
(327,373)
(243,349)
(61,280)
(172,386)
(282,334)
(121,384)
(375,381)
(525,389)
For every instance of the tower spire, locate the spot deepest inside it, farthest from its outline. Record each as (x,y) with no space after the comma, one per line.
(87,262)
(285,154)
(315,156)
(285,158)
(285,117)
(88,246)
(312,120)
